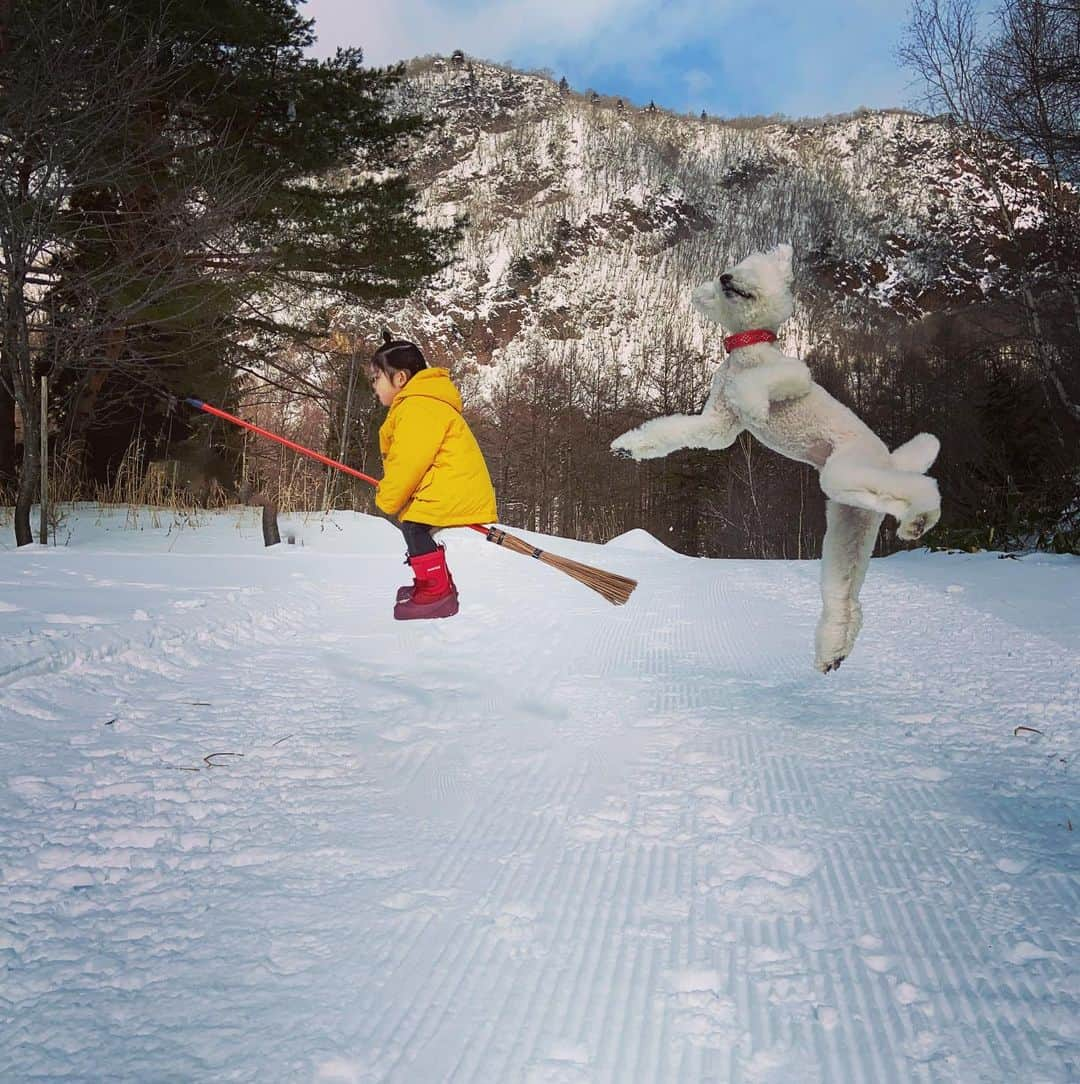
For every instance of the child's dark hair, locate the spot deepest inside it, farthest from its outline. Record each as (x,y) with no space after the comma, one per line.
(396,355)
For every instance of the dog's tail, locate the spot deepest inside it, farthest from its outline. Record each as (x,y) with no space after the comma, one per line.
(917,454)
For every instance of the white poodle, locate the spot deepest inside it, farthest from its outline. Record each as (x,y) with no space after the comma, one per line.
(775,398)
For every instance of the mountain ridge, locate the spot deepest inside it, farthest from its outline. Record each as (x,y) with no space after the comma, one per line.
(587,217)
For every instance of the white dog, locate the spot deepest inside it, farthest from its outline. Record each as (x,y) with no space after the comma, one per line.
(775,398)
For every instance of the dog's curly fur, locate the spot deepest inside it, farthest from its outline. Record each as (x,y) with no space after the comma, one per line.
(775,398)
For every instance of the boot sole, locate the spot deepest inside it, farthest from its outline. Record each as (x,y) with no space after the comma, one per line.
(411,611)
(405,593)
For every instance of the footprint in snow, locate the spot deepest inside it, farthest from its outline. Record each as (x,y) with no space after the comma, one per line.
(76,619)
(924,1047)
(398,734)
(780,1065)
(565,1063)
(701,1013)
(930,774)
(873,957)
(908,994)
(1025,952)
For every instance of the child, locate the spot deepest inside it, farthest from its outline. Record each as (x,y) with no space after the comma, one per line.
(434,473)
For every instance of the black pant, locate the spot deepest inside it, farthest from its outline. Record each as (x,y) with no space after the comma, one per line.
(418,538)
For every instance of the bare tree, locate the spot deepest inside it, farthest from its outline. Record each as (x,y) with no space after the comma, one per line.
(1032,66)
(985,83)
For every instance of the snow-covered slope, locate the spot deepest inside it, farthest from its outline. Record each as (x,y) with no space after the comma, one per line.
(590,221)
(253,830)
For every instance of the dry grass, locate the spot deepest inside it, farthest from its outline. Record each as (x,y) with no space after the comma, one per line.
(163,491)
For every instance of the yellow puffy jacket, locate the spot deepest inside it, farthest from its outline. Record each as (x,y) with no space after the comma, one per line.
(433,469)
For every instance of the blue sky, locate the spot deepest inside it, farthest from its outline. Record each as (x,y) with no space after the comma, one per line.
(730,57)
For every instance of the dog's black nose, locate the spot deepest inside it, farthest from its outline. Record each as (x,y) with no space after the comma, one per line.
(726,279)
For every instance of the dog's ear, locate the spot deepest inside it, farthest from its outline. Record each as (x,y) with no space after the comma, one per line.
(782,255)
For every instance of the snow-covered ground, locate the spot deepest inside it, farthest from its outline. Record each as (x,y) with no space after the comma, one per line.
(252,829)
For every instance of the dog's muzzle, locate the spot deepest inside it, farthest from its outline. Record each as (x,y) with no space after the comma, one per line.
(727,284)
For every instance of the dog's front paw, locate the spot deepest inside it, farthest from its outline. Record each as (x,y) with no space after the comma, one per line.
(752,409)
(793,383)
(748,396)
(637,444)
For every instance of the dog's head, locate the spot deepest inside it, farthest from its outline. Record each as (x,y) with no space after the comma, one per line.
(753,294)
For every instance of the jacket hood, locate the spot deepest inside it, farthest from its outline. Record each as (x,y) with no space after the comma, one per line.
(432,384)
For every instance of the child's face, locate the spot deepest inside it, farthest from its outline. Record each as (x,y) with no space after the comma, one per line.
(387,387)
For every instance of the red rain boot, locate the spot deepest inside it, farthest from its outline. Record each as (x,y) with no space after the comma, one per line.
(433,594)
(405,593)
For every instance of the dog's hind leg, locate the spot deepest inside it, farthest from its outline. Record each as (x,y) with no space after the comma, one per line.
(850,534)
(864,527)
(918,454)
(912,499)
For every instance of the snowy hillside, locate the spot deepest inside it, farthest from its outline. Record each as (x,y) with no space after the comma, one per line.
(589,221)
(253,830)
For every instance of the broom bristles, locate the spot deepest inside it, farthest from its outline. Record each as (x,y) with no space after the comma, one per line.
(615,588)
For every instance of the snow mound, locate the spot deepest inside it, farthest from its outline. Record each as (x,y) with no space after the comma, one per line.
(642,542)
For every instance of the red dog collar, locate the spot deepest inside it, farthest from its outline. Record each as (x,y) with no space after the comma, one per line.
(748,338)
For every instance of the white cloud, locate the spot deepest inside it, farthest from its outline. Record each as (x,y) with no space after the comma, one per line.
(607,31)
(823,59)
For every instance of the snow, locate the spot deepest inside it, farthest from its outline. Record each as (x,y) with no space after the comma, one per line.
(252,829)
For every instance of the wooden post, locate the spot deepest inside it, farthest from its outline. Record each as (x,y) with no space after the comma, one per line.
(43,530)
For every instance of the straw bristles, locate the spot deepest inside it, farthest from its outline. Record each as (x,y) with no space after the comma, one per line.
(615,588)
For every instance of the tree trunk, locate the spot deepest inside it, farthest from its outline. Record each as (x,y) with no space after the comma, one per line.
(271,534)
(28,482)
(8,472)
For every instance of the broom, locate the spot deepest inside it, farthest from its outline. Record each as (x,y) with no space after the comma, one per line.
(615,588)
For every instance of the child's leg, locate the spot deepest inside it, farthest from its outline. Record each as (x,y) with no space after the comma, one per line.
(418,541)
(418,538)
(433,593)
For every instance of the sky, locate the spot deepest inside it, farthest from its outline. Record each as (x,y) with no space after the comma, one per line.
(730,57)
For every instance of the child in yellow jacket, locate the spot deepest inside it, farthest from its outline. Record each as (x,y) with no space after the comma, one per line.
(434,474)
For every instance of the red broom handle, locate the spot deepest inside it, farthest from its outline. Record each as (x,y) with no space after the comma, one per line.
(206,408)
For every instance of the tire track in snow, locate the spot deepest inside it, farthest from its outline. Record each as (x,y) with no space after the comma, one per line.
(480,944)
(579,897)
(488,955)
